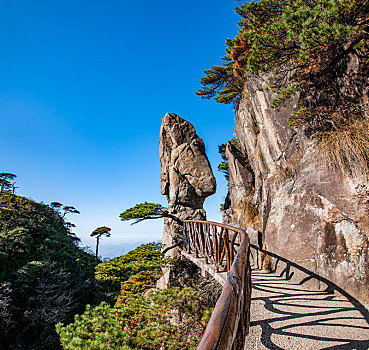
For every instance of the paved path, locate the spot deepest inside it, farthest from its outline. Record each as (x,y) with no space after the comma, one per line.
(287,316)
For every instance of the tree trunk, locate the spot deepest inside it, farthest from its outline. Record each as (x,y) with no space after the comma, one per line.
(2,187)
(97,247)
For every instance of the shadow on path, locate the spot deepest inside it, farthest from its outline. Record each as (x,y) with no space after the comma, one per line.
(287,316)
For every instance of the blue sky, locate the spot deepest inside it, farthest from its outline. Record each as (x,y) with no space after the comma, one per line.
(83,88)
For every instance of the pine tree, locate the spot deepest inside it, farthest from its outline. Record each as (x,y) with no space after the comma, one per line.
(98,233)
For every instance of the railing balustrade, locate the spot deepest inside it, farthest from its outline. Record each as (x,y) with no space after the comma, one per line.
(228,249)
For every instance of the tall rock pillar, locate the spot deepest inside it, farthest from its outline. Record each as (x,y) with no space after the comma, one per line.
(186,179)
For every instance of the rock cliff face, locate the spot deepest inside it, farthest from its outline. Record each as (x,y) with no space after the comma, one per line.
(186,178)
(309,217)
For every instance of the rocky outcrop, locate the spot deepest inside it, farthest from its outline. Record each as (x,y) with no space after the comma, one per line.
(186,178)
(311,220)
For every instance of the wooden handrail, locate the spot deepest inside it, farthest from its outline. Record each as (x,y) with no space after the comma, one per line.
(216,243)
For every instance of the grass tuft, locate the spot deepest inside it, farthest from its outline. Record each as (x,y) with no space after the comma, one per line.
(347,148)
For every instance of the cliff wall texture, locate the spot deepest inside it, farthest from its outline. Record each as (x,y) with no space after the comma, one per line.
(310,219)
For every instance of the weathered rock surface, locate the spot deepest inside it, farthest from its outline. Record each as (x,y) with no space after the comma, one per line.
(306,213)
(186,178)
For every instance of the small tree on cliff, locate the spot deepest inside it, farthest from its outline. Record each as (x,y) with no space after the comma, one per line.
(56,206)
(223,166)
(5,181)
(66,209)
(69,209)
(98,233)
(146,211)
(62,211)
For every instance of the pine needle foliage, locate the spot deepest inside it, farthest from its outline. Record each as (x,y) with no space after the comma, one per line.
(221,83)
(170,319)
(146,257)
(305,47)
(303,37)
(144,211)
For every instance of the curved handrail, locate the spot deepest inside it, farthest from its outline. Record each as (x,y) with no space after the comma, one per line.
(230,320)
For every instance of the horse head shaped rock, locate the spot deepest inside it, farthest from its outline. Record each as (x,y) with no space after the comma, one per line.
(186,175)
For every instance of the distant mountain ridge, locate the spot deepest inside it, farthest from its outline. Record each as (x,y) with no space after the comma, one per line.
(110,251)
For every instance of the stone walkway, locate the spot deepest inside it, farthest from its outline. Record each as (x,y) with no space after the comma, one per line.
(287,316)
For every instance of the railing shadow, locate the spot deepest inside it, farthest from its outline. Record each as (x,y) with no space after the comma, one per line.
(315,319)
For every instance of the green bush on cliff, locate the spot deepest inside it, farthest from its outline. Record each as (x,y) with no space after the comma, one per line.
(142,318)
(146,257)
(134,272)
(137,284)
(223,166)
(306,48)
(44,277)
(173,319)
(300,36)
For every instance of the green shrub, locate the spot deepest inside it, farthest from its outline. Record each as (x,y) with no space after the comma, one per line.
(45,277)
(137,284)
(173,318)
(223,166)
(146,257)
